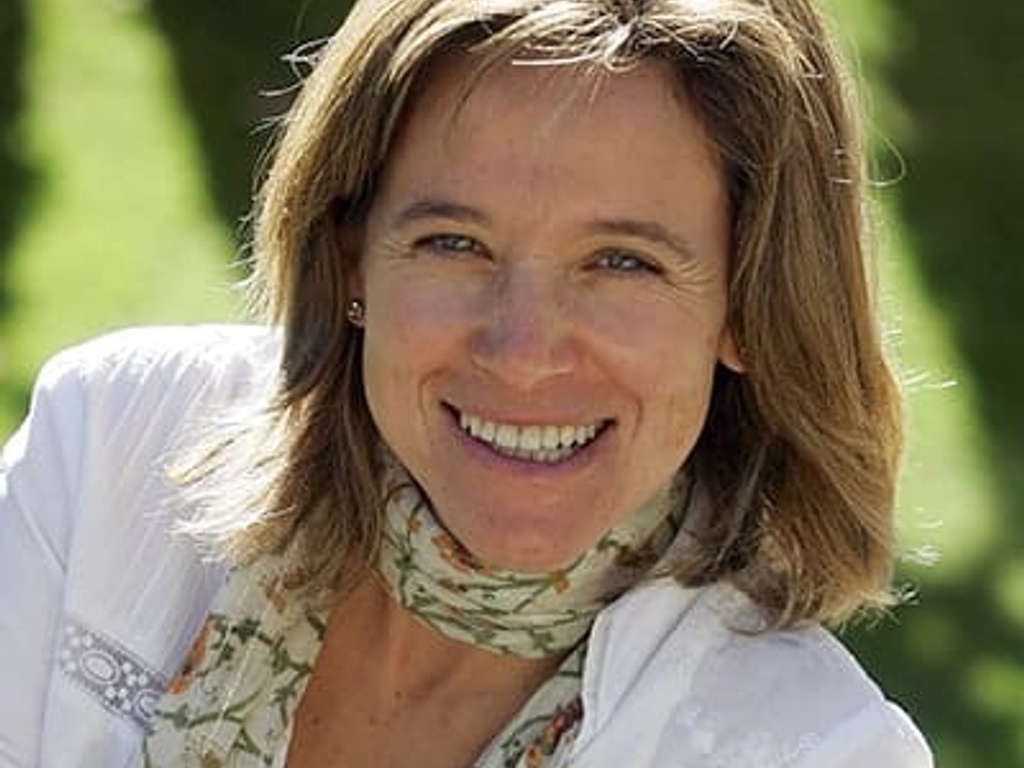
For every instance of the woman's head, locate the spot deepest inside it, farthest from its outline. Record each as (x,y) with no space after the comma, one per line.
(799,449)
(530,271)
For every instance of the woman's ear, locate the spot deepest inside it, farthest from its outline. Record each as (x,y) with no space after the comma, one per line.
(729,353)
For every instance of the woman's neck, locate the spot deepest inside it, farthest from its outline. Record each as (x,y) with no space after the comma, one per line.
(419,693)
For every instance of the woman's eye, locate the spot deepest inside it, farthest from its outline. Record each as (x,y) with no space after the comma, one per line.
(450,244)
(624,261)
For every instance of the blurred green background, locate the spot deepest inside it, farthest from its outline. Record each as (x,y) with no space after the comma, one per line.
(128,131)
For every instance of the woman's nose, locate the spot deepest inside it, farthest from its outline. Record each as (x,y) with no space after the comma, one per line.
(527,335)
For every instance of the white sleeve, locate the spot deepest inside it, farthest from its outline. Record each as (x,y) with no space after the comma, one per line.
(879,735)
(40,479)
(86,542)
(788,699)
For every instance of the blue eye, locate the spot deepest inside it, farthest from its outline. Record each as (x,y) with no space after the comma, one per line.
(450,244)
(624,261)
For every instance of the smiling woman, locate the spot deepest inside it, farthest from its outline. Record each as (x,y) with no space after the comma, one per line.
(566,425)
(510,278)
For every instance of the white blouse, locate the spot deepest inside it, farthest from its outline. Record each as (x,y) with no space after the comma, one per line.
(99,602)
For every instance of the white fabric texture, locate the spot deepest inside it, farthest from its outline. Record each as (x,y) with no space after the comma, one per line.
(99,603)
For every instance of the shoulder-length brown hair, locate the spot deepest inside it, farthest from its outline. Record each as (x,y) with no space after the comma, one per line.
(798,456)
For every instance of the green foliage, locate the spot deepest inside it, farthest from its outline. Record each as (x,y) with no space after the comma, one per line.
(129,131)
(956,71)
(118,230)
(16,179)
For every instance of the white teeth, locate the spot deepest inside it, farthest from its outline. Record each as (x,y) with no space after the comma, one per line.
(488,432)
(547,444)
(507,436)
(529,438)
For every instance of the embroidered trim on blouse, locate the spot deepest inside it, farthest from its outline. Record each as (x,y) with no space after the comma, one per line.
(116,679)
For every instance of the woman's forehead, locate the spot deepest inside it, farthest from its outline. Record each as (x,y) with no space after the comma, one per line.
(554,145)
(459,87)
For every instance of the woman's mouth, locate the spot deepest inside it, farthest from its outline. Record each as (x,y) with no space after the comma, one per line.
(540,443)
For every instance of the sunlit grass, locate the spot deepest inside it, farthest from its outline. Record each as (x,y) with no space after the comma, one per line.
(122,231)
(951,655)
(946,502)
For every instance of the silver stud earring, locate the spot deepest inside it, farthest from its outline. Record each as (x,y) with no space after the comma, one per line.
(356,312)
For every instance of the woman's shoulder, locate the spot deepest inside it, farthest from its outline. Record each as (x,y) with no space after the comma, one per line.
(88,514)
(729,694)
(144,352)
(108,414)
(115,382)
(792,697)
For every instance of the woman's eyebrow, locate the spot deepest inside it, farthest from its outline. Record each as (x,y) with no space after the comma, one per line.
(430,208)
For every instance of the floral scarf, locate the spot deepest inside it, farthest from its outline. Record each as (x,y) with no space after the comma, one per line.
(433,576)
(234,700)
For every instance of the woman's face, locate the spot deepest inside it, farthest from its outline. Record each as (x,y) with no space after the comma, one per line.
(544,270)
